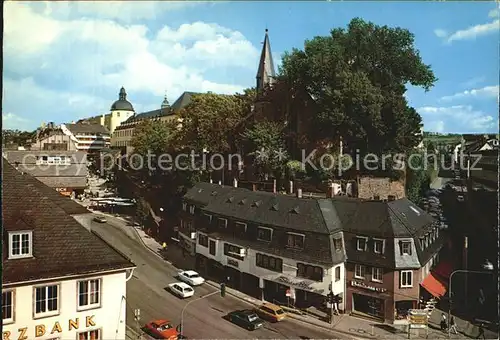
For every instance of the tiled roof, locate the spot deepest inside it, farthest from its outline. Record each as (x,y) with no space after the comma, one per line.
(29,156)
(64,182)
(87,128)
(61,246)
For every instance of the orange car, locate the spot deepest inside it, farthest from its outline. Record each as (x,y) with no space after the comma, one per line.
(161,329)
(271,312)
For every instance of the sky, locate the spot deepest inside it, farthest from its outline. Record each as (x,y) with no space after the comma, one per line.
(64,61)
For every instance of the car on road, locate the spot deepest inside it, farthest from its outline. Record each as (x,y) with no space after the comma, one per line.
(246,318)
(181,289)
(271,312)
(191,277)
(100,219)
(161,329)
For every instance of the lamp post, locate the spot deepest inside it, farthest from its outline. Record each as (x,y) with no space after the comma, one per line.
(181,330)
(488,266)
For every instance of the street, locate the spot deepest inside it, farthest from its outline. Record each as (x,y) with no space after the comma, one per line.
(203,318)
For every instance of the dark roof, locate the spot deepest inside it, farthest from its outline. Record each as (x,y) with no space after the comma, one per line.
(61,246)
(183,101)
(122,103)
(87,128)
(30,156)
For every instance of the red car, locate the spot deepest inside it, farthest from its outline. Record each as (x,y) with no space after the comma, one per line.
(161,329)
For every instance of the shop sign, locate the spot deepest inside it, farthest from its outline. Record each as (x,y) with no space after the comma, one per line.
(64,191)
(365,286)
(418,318)
(233,263)
(55,329)
(298,284)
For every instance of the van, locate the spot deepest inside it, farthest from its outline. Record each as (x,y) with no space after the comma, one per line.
(271,312)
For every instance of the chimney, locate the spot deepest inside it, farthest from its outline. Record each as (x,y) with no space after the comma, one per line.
(254,187)
(274,186)
(235,183)
(290,187)
(299,193)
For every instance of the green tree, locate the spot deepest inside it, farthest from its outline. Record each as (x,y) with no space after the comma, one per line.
(418,177)
(153,137)
(209,120)
(266,139)
(357,77)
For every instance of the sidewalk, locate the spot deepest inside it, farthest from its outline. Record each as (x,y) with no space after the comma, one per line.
(349,325)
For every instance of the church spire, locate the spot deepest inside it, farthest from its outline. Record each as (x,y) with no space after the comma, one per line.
(265,73)
(123,94)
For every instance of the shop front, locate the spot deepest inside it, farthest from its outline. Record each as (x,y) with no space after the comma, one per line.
(368,300)
(232,274)
(187,244)
(288,290)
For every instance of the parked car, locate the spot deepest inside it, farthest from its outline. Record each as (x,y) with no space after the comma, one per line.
(100,219)
(161,329)
(271,312)
(245,318)
(191,277)
(181,289)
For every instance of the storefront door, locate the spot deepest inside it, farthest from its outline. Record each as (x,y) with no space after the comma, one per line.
(368,305)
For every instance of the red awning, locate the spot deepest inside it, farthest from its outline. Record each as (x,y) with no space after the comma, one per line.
(443,269)
(434,286)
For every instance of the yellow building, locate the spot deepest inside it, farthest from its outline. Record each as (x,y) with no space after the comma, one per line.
(120,111)
(122,135)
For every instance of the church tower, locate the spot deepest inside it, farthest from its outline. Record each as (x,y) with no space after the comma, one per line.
(266,76)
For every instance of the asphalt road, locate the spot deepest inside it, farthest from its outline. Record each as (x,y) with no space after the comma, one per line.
(203,318)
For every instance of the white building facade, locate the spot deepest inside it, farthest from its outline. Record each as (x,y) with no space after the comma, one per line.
(80,308)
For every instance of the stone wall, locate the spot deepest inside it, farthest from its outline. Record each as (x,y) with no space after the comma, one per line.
(369,187)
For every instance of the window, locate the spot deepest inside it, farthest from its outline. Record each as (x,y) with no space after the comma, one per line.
(337,273)
(222,223)
(309,272)
(359,271)
(233,251)
(191,209)
(46,300)
(184,206)
(378,246)
(208,217)
(377,274)
(90,335)
(89,293)
(361,243)
(20,244)
(269,262)
(211,249)
(203,240)
(240,228)
(8,306)
(337,244)
(264,234)
(295,241)
(406,278)
(405,247)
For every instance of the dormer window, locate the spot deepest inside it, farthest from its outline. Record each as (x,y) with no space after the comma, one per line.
(295,241)
(20,244)
(191,209)
(222,223)
(378,246)
(184,206)
(264,234)
(361,243)
(405,247)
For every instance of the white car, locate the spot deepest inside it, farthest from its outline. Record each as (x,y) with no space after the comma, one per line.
(181,289)
(191,277)
(460,198)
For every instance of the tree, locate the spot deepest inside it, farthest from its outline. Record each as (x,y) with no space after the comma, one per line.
(209,120)
(142,210)
(150,136)
(418,178)
(357,77)
(266,140)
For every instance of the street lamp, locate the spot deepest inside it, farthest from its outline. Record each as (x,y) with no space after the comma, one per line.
(487,266)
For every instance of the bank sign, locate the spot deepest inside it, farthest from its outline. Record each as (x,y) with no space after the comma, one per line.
(55,329)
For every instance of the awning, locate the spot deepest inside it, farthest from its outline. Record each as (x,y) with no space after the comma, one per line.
(434,286)
(443,269)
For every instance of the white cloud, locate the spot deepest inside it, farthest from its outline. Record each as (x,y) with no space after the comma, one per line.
(473,32)
(440,33)
(494,13)
(11,121)
(94,57)
(435,126)
(458,118)
(485,92)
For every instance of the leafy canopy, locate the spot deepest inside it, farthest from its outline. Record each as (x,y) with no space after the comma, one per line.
(151,136)
(357,77)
